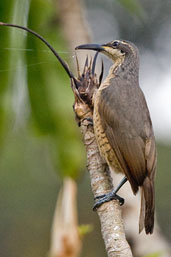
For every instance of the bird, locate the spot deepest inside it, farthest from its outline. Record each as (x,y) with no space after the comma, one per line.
(123,127)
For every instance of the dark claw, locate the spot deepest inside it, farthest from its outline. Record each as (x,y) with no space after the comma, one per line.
(99,196)
(106,198)
(90,120)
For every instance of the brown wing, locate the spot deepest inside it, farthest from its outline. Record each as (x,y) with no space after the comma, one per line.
(127,125)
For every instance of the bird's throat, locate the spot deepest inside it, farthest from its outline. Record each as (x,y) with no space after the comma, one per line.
(117,63)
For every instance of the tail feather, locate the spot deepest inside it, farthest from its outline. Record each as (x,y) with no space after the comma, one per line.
(142,212)
(147,207)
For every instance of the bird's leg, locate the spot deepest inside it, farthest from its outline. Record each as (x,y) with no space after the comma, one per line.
(123,181)
(110,196)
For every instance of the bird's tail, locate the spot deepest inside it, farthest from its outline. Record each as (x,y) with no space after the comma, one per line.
(147,206)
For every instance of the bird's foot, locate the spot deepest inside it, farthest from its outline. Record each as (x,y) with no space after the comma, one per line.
(90,121)
(106,198)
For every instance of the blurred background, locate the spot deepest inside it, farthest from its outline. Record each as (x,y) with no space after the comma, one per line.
(40,143)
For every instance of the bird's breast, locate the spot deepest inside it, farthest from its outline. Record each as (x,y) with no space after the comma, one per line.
(105,148)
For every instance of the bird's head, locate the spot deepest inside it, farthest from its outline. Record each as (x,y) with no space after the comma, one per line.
(117,50)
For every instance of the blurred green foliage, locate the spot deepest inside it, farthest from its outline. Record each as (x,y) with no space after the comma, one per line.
(48,94)
(38,133)
(4,57)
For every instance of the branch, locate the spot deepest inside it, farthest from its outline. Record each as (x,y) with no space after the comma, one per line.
(109,213)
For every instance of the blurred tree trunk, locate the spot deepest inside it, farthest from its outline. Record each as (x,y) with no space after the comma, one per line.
(74,25)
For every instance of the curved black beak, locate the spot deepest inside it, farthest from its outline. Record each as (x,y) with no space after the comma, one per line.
(94,47)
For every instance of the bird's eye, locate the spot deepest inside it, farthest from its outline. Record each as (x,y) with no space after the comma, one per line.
(115,43)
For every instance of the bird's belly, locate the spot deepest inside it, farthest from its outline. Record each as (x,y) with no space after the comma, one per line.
(105,148)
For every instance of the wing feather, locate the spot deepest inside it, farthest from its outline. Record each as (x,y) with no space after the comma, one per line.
(126,121)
